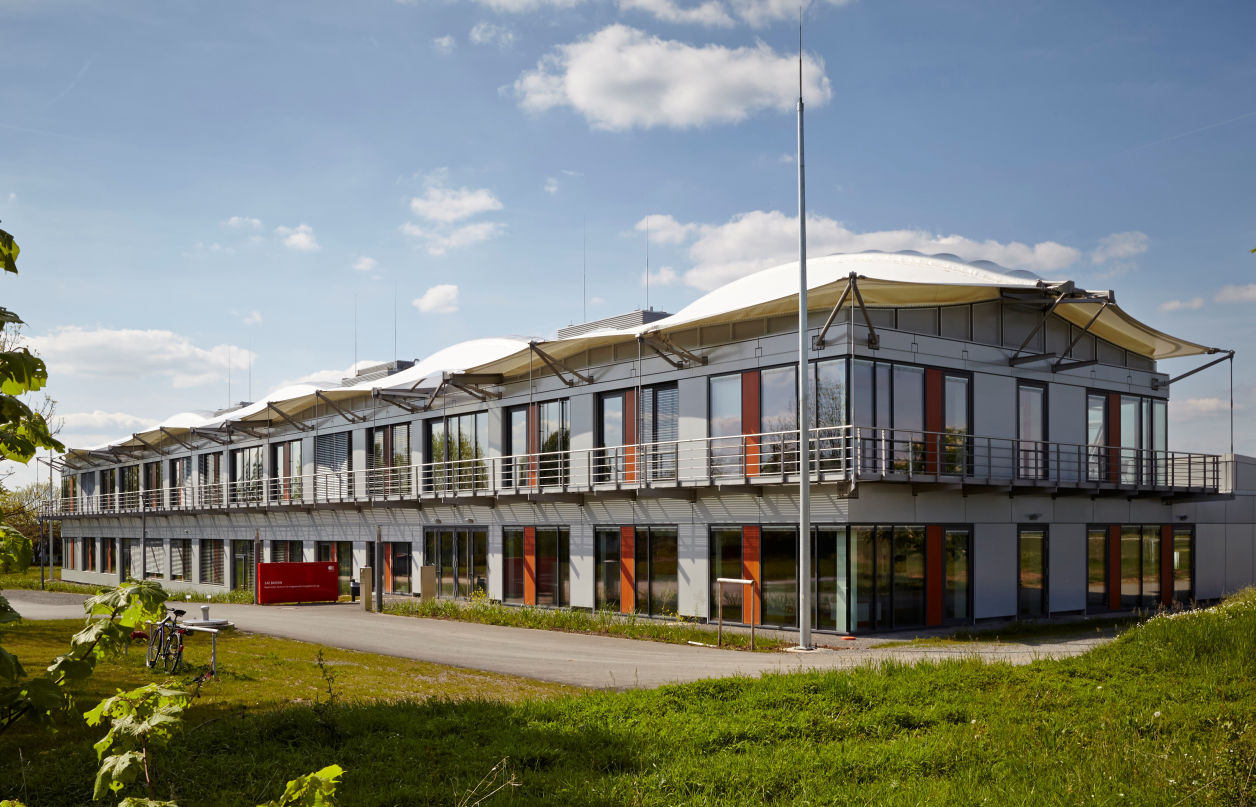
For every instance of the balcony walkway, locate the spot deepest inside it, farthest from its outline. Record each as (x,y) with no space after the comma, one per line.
(841,456)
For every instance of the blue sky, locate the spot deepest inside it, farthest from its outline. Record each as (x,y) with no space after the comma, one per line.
(195,184)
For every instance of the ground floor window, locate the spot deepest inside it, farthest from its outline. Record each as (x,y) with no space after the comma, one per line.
(154,558)
(608,566)
(513,588)
(460,556)
(1097,572)
(553,561)
(89,554)
(286,552)
(1183,564)
(340,553)
(213,560)
(1031,590)
(69,558)
(180,559)
(1139,565)
(397,564)
(725,545)
(243,566)
(108,558)
(888,576)
(656,551)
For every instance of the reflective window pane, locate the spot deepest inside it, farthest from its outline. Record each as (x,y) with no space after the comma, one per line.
(1033,574)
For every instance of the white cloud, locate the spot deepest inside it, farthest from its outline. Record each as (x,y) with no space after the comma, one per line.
(1194,407)
(135,354)
(711,12)
(665,229)
(447,205)
(665,276)
(1237,294)
(1119,247)
(105,421)
(12,196)
(551,186)
(301,238)
(442,299)
(214,248)
(243,223)
(486,33)
(364,264)
(444,44)
(1193,304)
(438,241)
(520,6)
(252,318)
(756,240)
(759,13)
(597,300)
(622,78)
(330,376)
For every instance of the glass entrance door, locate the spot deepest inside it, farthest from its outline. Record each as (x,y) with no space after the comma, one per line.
(242,565)
(460,556)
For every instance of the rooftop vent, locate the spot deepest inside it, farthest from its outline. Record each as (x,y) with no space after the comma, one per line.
(376,371)
(630,320)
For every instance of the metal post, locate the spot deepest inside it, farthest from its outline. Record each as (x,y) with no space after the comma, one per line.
(257,559)
(804,415)
(143,540)
(379,569)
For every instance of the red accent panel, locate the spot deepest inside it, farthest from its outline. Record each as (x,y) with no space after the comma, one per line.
(934,582)
(529,565)
(1166,564)
(933,424)
(630,435)
(1114,438)
(1114,567)
(627,570)
(751,607)
(297,582)
(750,421)
(388,563)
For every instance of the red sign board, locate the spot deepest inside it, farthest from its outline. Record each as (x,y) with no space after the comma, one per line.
(297,582)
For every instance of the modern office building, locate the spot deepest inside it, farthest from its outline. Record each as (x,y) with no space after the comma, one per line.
(986,444)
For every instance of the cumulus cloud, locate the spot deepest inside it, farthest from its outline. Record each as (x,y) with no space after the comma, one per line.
(444,44)
(759,13)
(1190,407)
(300,238)
(252,318)
(597,300)
(1237,294)
(1193,304)
(756,240)
(364,264)
(442,299)
(665,276)
(486,33)
(520,6)
(622,78)
(100,420)
(710,13)
(666,230)
(133,354)
(438,241)
(1116,253)
(551,186)
(329,376)
(243,223)
(447,205)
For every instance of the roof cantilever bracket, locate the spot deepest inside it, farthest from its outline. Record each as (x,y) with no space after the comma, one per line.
(172,436)
(301,427)
(349,416)
(660,344)
(427,405)
(236,427)
(558,367)
(469,388)
(818,342)
(1060,363)
(1042,323)
(147,444)
(209,435)
(399,398)
(1157,384)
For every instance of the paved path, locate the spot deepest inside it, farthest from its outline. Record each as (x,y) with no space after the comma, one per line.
(582,660)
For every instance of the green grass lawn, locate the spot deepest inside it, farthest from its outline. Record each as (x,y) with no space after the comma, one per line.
(1163,715)
(575,620)
(29,579)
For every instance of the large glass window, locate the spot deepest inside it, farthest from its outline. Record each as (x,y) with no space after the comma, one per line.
(340,553)
(829,583)
(1097,569)
(1140,566)
(181,482)
(209,470)
(888,565)
(660,429)
(457,446)
(154,558)
(957,590)
(284,551)
(333,466)
(89,555)
(610,461)
(831,413)
(180,558)
(460,558)
(778,416)
(1183,564)
(555,442)
(607,561)
(1032,588)
(1097,437)
(725,425)
(515,468)
(388,460)
(725,547)
(247,474)
(552,566)
(243,566)
(512,564)
(285,459)
(778,563)
(153,485)
(657,553)
(398,566)
(129,486)
(888,403)
(1031,422)
(108,555)
(957,424)
(1144,436)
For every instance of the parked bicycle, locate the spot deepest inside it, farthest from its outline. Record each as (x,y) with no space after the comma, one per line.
(165,642)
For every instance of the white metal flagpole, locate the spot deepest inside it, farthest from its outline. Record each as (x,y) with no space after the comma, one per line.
(804,396)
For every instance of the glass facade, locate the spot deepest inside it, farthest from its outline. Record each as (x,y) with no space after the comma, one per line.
(515,470)
(606,548)
(1032,587)
(657,555)
(724,425)
(248,471)
(399,563)
(660,428)
(610,461)
(553,563)
(512,565)
(1097,437)
(1097,573)
(778,565)
(1183,564)
(213,560)
(957,588)
(460,558)
(1031,431)
(725,549)
(554,440)
(778,414)
(456,448)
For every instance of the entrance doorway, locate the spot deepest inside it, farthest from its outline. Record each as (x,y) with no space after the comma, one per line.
(341,553)
(460,555)
(243,566)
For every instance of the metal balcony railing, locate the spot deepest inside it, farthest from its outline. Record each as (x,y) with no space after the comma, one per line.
(845,454)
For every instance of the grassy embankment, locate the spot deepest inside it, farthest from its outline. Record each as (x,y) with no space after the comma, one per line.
(571,620)
(29,580)
(1165,714)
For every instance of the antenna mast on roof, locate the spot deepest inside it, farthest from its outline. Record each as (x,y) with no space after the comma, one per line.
(804,395)
(355,333)
(647,263)
(584,268)
(228,375)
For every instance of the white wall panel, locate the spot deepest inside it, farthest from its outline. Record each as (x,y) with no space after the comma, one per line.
(994,570)
(1238,553)
(1210,560)
(1066,574)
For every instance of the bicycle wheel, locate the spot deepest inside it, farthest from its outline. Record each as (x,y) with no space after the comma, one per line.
(169,650)
(156,641)
(176,659)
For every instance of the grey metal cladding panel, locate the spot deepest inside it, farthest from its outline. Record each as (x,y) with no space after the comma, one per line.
(956,322)
(994,405)
(1110,354)
(1238,554)
(918,320)
(1066,574)
(580,546)
(693,571)
(1210,561)
(1066,416)
(738,508)
(611,511)
(987,323)
(994,570)
(1059,335)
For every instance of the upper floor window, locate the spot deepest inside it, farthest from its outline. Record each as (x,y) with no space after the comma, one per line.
(180,481)
(247,472)
(286,462)
(389,459)
(660,429)
(456,447)
(333,463)
(152,484)
(209,470)
(554,439)
(1031,431)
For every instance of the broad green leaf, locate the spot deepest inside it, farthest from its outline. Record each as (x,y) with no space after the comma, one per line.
(15,556)
(65,669)
(7,317)
(20,372)
(8,252)
(130,604)
(10,667)
(131,801)
(7,612)
(102,638)
(316,789)
(11,803)
(44,695)
(116,772)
